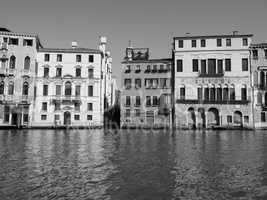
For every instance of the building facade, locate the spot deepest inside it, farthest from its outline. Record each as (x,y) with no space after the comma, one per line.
(212,81)
(18,68)
(71,86)
(259,83)
(146,90)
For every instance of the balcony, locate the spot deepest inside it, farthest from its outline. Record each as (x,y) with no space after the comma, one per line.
(154,71)
(137,71)
(196,101)
(147,71)
(11,72)
(26,72)
(67,99)
(127,71)
(205,75)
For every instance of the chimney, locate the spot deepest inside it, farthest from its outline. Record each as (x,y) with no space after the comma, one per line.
(103,43)
(235,32)
(74,45)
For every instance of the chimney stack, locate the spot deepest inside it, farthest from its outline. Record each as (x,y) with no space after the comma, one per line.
(74,45)
(235,32)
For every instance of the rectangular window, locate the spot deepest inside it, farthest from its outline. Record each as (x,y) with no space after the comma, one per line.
(6,114)
(89,117)
(127,113)
(194,43)
(137,83)
(148,101)
(263,117)
(245,41)
(220,66)
(27,42)
(219,94)
(246,119)
(179,66)
(244,94)
(76,117)
(225,94)
(13,41)
(45,90)
(228,64)
(137,113)
(255,54)
(90,73)
(212,66)
(91,58)
(155,101)
(77,106)
(229,119)
(137,69)
(58,90)
(78,72)
(57,117)
(90,91)
(232,94)
(89,106)
(199,93)
(43,117)
(78,58)
(182,93)
(137,101)
(77,90)
(206,94)
(58,72)
(265,53)
(59,57)
(25,118)
(46,72)
(128,101)
(195,65)
(203,43)
(180,43)
(244,64)
(57,106)
(203,67)
(212,93)
(47,57)
(228,42)
(219,42)
(44,106)
(128,69)
(127,84)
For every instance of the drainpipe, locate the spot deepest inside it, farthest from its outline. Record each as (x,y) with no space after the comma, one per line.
(173,88)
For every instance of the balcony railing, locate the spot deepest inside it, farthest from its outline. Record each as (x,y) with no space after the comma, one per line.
(127,71)
(147,70)
(196,101)
(204,75)
(15,98)
(137,71)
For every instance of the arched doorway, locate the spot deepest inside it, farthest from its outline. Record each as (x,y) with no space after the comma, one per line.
(213,117)
(201,118)
(191,118)
(238,118)
(67,118)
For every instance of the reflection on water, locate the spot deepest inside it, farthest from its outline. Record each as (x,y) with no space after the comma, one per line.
(49,164)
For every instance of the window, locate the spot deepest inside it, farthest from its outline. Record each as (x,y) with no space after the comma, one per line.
(78,58)
(46,72)
(137,69)
(182,93)
(91,58)
(232,93)
(44,106)
(91,73)
(263,117)
(228,64)
(78,72)
(137,83)
(76,117)
(244,64)
(228,42)
(127,113)
(265,53)
(3,64)
(137,101)
(225,94)
(89,106)
(43,117)
(68,89)
(148,69)
(203,43)
(77,106)
(127,84)
(212,93)
(244,94)
(245,41)
(77,90)
(179,66)
(154,68)
(90,91)
(57,106)
(58,72)
(194,43)
(11,88)
(206,93)
(59,57)
(89,117)
(2,87)
(203,67)
(180,44)
(219,42)
(45,90)
(155,83)
(6,114)
(58,90)
(25,118)
(27,42)
(219,94)
(212,66)
(46,57)
(128,101)
(25,88)
(255,54)
(148,101)
(13,41)
(220,66)
(246,119)
(199,93)
(27,63)
(12,62)
(229,119)
(137,112)
(155,101)
(57,117)
(195,65)
(128,69)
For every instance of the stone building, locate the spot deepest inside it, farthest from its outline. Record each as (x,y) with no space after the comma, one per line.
(259,83)
(212,81)
(146,90)
(17,73)
(73,86)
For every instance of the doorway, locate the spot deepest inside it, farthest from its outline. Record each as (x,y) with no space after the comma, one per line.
(67,118)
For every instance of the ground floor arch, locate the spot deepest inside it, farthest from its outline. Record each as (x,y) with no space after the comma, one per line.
(213,117)
(191,117)
(67,118)
(238,118)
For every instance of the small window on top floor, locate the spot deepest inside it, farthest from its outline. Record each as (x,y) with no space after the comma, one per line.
(219,42)
(245,41)
(194,43)
(59,57)
(180,43)
(13,41)
(203,43)
(91,58)
(228,42)
(27,42)
(46,57)
(78,58)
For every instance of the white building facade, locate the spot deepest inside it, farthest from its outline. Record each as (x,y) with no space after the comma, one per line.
(212,81)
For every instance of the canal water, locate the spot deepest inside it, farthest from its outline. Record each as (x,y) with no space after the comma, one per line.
(133,165)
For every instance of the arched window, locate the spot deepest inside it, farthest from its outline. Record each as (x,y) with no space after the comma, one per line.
(232,92)
(219,93)
(25,88)
(12,62)
(226,93)
(212,93)
(27,63)
(244,92)
(2,87)
(11,88)
(68,88)
(259,98)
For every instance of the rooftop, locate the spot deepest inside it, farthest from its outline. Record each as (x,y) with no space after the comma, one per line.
(234,35)
(160,60)
(69,50)
(259,45)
